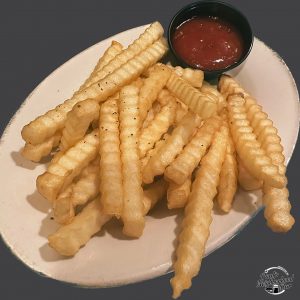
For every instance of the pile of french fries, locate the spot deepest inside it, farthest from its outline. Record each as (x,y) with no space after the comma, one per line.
(138,130)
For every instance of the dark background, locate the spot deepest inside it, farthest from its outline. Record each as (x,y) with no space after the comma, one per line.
(38,36)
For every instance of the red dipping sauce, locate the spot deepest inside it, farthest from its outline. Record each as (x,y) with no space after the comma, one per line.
(208,43)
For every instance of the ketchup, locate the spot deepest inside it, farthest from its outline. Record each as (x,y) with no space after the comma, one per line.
(208,43)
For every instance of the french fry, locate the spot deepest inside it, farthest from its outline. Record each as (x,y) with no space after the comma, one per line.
(227,85)
(133,210)
(249,149)
(63,170)
(198,215)
(63,208)
(173,146)
(151,152)
(110,158)
(193,98)
(68,239)
(151,113)
(78,121)
(228,176)
(192,76)
(157,79)
(154,192)
(46,125)
(37,152)
(185,163)
(245,179)
(110,53)
(214,94)
(160,125)
(177,194)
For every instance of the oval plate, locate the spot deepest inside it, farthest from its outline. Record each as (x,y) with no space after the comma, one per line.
(109,258)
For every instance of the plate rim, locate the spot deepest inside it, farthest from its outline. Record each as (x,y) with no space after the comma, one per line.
(148,275)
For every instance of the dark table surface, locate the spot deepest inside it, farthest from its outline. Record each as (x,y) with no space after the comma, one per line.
(38,36)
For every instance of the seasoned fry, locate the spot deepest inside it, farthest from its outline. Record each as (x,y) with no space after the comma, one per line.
(110,53)
(192,76)
(37,152)
(167,153)
(227,85)
(212,92)
(185,163)
(194,99)
(245,179)
(63,170)
(78,121)
(157,79)
(160,125)
(154,192)
(247,146)
(68,239)
(110,159)
(198,215)
(151,113)
(177,194)
(228,176)
(63,208)
(133,210)
(46,125)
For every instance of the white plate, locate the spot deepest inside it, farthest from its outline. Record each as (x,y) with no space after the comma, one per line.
(110,258)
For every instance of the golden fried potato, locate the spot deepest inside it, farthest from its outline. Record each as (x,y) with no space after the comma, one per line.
(37,152)
(228,176)
(66,167)
(177,194)
(180,136)
(111,186)
(46,125)
(227,85)
(110,53)
(133,209)
(212,92)
(248,148)
(151,113)
(78,121)
(63,208)
(198,215)
(185,163)
(160,125)
(245,179)
(157,79)
(193,98)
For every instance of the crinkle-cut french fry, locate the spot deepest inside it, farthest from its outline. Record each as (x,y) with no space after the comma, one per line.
(181,111)
(87,186)
(193,98)
(151,113)
(192,76)
(198,215)
(245,179)
(211,91)
(154,150)
(78,121)
(154,192)
(110,53)
(63,208)
(37,152)
(46,125)
(227,85)
(68,239)
(228,176)
(185,163)
(177,194)
(157,79)
(133,209)
(160,125)
(180,136)
(152,33)
(110,158)
(249,149)
(62,172)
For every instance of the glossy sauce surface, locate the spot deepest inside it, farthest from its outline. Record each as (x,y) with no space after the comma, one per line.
(208,43)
